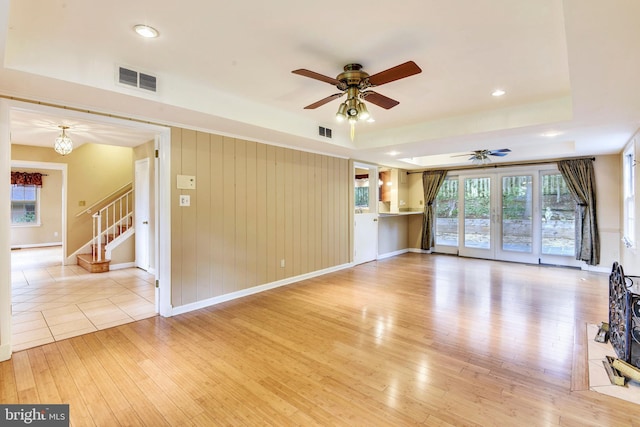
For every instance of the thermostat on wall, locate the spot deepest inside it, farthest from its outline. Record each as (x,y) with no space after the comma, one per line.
(186,182)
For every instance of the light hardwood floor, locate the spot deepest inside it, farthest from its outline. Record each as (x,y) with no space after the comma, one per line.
(410,340)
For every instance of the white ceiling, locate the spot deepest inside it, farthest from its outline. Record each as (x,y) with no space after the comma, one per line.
(570,67)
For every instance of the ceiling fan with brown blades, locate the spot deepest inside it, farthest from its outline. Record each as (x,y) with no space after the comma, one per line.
(482,156)
(356,84)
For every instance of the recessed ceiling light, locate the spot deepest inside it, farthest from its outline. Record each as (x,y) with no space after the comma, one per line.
(551,134)
(393,153)
(146,31)
(498,92)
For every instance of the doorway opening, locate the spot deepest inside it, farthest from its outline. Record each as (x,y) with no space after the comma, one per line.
(97,300)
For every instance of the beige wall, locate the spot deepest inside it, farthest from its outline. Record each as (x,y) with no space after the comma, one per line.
(94,171)
(608,175)
(50,229)
(393,233)
(416,195)
(124,253)
(254,205)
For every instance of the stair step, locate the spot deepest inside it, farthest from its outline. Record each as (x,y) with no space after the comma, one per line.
(86,261)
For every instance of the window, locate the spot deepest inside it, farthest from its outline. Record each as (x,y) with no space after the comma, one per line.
(362,191)
(24,205)
(629,225)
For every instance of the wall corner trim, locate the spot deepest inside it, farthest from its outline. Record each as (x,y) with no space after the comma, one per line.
(5,352)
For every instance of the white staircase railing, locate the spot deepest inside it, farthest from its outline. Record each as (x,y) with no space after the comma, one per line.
(110,221)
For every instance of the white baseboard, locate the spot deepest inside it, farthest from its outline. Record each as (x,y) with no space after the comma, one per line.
(121,266)
(419,251)
(254,290)
(596,268)
(394,253)
(37,245)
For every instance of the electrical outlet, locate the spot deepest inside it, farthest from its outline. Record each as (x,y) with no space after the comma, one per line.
(185,200)
(282,263)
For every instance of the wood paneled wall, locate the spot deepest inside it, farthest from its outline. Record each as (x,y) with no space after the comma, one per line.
(254,205)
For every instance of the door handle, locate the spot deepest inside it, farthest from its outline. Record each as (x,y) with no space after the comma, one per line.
(145,222)
(375,219)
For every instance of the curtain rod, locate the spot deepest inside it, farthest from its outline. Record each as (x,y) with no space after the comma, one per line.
(502,165)
(42,174)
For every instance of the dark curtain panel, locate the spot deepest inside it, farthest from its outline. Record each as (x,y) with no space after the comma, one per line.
(26,178)
(431,182)
(580,179)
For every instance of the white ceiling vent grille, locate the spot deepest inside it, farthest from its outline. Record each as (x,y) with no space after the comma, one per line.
(135,79)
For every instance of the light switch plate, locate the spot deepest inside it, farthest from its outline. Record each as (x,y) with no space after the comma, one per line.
(186,182)
(185,200)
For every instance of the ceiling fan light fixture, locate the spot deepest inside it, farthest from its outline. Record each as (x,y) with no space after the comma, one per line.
(363,113)
(63,145)
(354,82)
(481,158)
(352,108)
(341,115)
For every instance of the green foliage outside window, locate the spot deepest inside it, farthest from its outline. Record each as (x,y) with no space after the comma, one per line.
(516,196)
(447,199)
(23,204)
(362,197)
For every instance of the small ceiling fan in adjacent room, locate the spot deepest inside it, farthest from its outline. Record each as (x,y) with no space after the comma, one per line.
(482,156)
(356,84)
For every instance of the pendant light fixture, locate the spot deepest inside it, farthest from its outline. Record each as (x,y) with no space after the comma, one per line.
(63,144)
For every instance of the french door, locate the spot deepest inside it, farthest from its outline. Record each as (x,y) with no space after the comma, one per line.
(517,214)
(497,217)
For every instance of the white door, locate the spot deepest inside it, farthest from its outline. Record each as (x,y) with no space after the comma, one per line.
(365,246)
(141,214)
(478,216)
(498,217)
(517,219)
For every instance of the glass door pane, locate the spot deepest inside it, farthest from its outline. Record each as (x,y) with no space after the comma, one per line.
(558,216)
(477,213)
(362,191)
(447,213)
(517,210)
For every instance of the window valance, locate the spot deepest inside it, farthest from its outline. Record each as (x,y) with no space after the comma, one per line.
(26,178)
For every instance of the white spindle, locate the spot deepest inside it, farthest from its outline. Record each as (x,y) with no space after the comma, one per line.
(99,239)
(109,220)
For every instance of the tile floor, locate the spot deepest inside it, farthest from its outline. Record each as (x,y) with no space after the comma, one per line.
(52,302)
(598,378)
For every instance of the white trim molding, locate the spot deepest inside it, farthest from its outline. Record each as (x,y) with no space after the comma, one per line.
(254,290)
